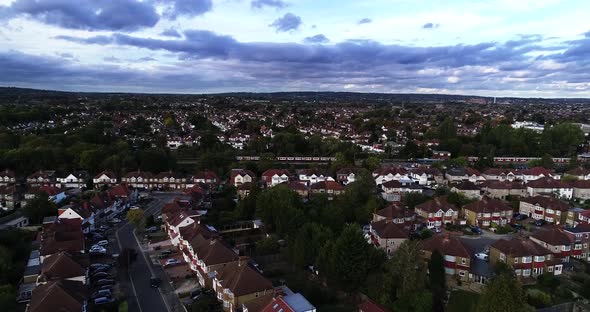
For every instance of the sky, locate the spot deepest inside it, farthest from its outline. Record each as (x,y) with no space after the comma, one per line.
(525,48)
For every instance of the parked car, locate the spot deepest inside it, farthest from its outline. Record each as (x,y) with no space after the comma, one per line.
(520,217)
(476,230)
(540,222)
(104,227)
(99,269)
(96,248)
(516,226)
(155,282)
(106,287)
(437,230)
(103,300)
(166,253)
(101,275)
(104,281)
(482,256)
(115,220)
(101,293)
(152,229)
(196,293)
(172,261)
(103,242)
(99,265)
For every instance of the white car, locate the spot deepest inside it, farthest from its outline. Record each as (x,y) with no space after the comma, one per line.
(482,256)
(98,249)
(172,261)
(101,243)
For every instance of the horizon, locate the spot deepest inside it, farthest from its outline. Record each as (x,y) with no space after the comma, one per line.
(493,49)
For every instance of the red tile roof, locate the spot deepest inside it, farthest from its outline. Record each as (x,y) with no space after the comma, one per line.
(446,244)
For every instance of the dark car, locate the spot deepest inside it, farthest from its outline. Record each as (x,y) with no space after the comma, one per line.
(104,281)
(476,230)
(155,282)
(95,266)
(520,217)
(540,222)
(101,293)
(100,270)
(101,275)
(516,226)
(103,300)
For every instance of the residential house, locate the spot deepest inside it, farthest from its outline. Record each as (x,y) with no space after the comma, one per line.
(241,176)
(503,189)
(457,257)
(62,266)
(580,235)
(175,222)
(347,175)
(82,213)
(535,173)
(274,177)
(550,209)
(573,216)
(206,256)
(330,188)
(487,212)
(9,197)
(76,179)
(206,177)
(298,188)
(293,302)
(579,173)
(139,179)
(14,220)
(437,212)
(244,189)
(388,235)
(396,213)
(468,189)
(169,181)
(42,178)
(426,175)
(7,177)
(387,174)
(550,186)
(61,295)
(61,235)
(237,283)
(313,176)
(526,258)
(444,155)
(104,179)
(501,174)
(370,306)
(396,187)
(457,175)
(558,242)
(581,189)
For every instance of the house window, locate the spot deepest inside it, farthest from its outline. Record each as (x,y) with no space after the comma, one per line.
(463,261)
(527,259)
(502,257)
(518,272)
(462,274)
(515,260)
(526,272)
(550,269)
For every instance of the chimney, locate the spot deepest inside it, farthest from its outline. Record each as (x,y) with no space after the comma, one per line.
(242,261)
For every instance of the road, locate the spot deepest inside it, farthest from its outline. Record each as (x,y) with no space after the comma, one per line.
(146,298)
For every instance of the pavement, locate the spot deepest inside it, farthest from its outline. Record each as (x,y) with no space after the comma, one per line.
(142,297)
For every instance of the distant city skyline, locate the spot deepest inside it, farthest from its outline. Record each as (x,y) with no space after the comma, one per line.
(494,48)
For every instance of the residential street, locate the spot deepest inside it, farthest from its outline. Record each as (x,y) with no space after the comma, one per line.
(142,297)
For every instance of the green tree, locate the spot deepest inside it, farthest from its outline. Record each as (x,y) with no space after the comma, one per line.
(279,208)
(306,245)
(408,274)
(246,207)
(447,130)
(372,163)
(40,207)
(437,279)
(351,258)
(135,216)
(7,298)
(506,287)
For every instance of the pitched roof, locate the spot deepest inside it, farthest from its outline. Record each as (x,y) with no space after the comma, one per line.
(434,205)
(212,251)
(62,296)
(547,202)
(446,244)
(395,211)
(553,236)
(505,185)
(388,230)
(390,170)
(579,171)
(488,205)
(536,171)
(327,185)
(61,266)
(547,182)
(520,247)
(107,173)
(467,186)
(271,172)
(369,306)
(241,279)
(582,184)
(120,190)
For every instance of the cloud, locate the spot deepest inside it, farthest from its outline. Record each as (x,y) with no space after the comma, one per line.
(289,22)
(177,8)
(524,64)
(259,4)
(170,32)
(430,26)
(320,38)
(365,20)
(120,15)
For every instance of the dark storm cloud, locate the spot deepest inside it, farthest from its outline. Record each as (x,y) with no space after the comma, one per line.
(171,33)
(86,14)
(259,4)
(365,21)
(524,63)
(287,22)
(320,38)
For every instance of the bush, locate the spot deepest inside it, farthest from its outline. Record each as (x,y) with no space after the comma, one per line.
(539,299)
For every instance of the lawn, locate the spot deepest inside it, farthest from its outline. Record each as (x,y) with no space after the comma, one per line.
(462,301)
